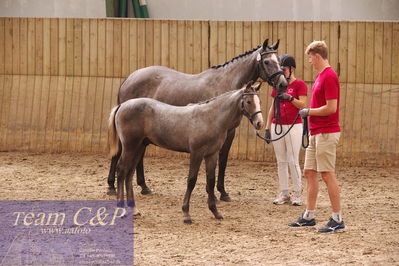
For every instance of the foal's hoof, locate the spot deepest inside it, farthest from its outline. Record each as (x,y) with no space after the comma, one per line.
(136,212)
(226,198)
(146,191)
(188,221)
(130,203)
(111,191)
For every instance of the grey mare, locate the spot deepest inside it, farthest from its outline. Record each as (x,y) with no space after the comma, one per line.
(179,89)
(199,129)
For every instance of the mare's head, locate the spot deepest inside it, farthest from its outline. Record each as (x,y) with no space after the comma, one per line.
(250,105)
(269,66)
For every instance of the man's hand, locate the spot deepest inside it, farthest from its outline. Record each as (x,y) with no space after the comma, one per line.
(304,112)
(285,96)
(268,136)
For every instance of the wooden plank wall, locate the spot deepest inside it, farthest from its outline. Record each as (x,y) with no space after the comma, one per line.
(59,77)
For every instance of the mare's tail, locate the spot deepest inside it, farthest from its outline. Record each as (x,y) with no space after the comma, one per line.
(113,138)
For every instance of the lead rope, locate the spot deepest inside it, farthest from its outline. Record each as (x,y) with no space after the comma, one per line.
(305,132)
(282,136)
(277,116)
(277,112)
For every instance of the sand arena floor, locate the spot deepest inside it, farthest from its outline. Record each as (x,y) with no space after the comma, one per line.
(253,232)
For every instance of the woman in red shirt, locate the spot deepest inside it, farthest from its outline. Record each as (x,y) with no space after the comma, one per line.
(287,149)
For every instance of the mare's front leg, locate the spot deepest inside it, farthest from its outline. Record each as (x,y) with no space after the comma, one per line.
(223,156)
(210,165)
(140,176)
(195,163)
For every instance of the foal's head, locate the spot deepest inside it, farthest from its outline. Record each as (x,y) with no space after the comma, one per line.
(250,105)
(269,67)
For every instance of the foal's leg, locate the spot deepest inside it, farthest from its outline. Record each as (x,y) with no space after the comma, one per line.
(195,163)
(223,156)
(210,163)
(140,176)
(112,170)
(136,155)
(123,171)
(120,195)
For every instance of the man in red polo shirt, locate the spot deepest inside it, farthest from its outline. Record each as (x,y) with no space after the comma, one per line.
(324,136)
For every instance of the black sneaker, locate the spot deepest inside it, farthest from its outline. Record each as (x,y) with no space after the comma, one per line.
(303,222)
(332,226)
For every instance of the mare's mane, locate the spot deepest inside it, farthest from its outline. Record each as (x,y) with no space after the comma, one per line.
(237,57)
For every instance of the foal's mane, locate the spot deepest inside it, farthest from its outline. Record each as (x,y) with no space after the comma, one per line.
(216,97)
(237,57)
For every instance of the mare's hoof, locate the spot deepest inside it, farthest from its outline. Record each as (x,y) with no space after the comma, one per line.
(146,191)
(219,216)
(111,191)
(188,221)
(120,203)
(225,198)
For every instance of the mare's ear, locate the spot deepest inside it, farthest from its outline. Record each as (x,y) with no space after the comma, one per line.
(275,45)
(265,44)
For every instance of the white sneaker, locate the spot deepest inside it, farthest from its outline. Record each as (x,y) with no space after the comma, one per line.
(281,199)
(296,200)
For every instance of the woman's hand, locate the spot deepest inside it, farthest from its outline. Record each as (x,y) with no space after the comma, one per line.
(285,96)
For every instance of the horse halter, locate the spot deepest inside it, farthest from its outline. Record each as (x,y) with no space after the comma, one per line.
(269,79)
(250,116)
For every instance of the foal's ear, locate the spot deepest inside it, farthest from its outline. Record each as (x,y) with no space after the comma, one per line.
(275,45)
(257,87)
(249,85)
(265,44)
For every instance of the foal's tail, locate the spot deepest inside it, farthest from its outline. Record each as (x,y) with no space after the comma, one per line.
(113,138)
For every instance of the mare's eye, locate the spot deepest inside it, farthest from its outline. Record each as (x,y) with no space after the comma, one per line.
(266,62)
(248,102)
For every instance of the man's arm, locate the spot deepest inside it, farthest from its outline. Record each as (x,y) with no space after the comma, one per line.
(328,109)
(301,102)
